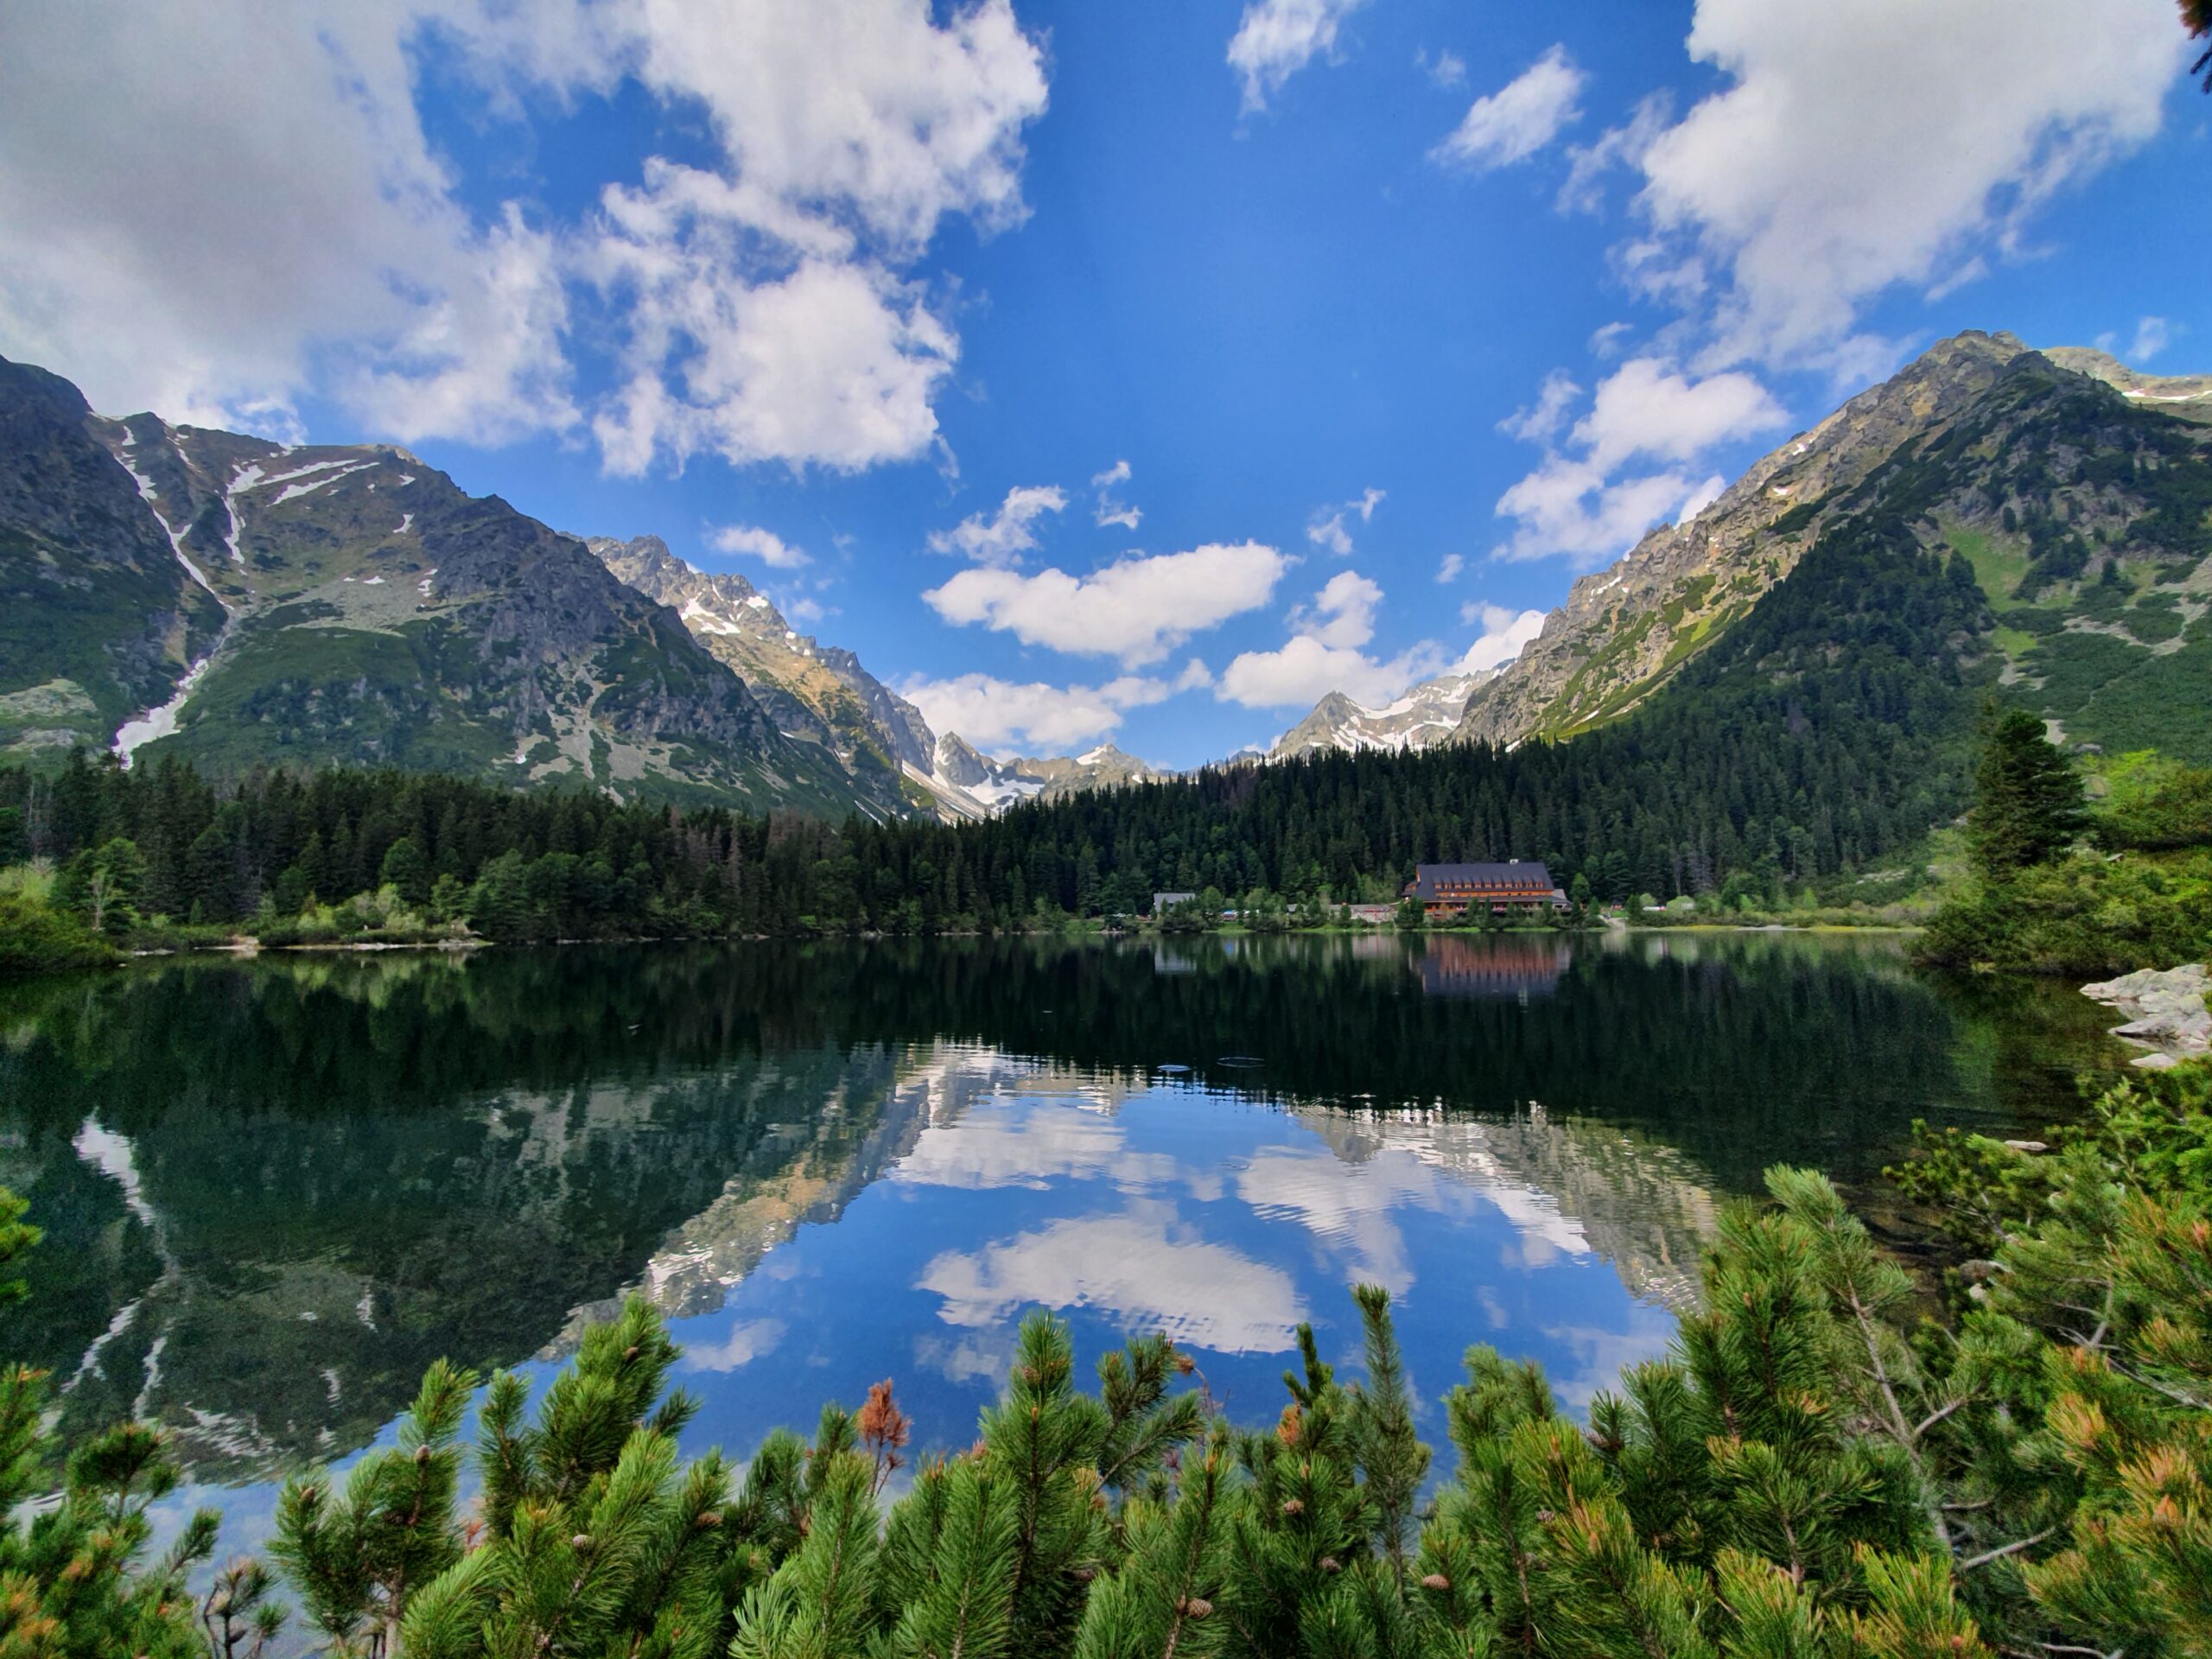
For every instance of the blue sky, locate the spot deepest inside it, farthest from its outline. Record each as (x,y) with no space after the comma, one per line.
(1137,371)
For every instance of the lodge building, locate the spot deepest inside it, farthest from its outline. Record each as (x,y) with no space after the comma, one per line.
(1522,886)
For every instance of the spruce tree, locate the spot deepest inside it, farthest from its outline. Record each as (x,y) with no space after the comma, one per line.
(2027,806)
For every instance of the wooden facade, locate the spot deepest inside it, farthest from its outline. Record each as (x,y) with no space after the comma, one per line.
(1517,886)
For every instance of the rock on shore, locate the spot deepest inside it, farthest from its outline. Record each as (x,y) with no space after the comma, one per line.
(2166,1012)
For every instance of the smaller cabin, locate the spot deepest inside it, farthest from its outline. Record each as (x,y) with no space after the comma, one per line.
(1518,887)
(1164,902)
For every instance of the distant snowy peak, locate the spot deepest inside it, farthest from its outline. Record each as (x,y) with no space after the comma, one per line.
(996,784)
(1426,713)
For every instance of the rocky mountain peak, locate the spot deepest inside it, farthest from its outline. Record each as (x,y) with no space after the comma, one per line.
(1428,713)
(1625,630)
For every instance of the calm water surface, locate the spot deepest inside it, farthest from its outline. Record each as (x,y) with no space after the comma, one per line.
(274,1191)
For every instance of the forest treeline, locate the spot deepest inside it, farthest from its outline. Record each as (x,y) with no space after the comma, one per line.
(1814,1470)
(1819,741)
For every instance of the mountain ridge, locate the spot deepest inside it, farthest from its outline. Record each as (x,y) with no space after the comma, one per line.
(237,602)
(1628,629)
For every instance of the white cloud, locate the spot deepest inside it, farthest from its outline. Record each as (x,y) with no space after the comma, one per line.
(1009,1142)
(1505,631)
(1588,165)
(1842,158)
(197,201)
(1541,421)
(1276,38)
(999,717)
(1145,1267)
(1449,566)
(749,541)
(1605,342)
(1520,119)
(835,363)
(1111,510)
(1326,529)
(1137,609)
(1595,499)
(1002,537)
(745,1341)
(220,214)
(1446,68)
(1342,612)
(1648,407)
(1304,671)
(2152,336)
(1570,508)
(1324,654)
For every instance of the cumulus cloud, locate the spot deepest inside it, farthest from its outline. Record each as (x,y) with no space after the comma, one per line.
(220,214)
(1505,631)
(1324,653)
(1002,537)
(1276,38)
(118,269)
(1001,715)
(1624,466)
(1342,612)
(1449,566)
(1111,509)
(745,1341)
(1137,609)
(1304,671)
(1839,160)
(1326,529)
(751,542)
(1646,407)
(1145,1267)
(1520,119)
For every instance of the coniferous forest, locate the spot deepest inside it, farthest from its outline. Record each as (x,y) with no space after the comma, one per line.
(1777,761)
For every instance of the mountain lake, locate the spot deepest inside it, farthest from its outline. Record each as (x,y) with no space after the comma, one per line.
(274,1190)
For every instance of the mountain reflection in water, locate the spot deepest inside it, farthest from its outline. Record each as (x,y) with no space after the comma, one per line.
(274,1191)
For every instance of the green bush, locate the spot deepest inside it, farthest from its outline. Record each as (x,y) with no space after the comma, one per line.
(34,939)
(2090,914)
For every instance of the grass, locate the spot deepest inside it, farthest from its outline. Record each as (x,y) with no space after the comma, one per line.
(1998,562)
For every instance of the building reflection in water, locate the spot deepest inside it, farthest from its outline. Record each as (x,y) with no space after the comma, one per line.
(1501,967)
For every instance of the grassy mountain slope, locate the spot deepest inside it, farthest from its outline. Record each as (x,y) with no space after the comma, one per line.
(2078,495)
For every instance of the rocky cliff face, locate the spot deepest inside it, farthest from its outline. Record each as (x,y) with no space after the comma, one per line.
(1625,631)
(101,614)
(817,696)
(236,602)
(823,694)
